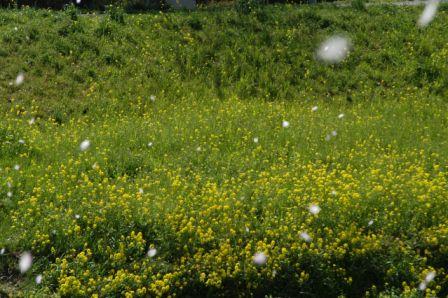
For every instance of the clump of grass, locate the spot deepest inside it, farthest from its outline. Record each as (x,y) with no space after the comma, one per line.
(116,13)
(359,4)
(247,6)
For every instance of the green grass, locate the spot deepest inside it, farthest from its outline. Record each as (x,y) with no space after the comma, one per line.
(212,197)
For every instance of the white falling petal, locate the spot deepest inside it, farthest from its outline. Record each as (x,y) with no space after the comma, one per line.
(77,216)
(78,1)
(31,121)
(422,286)
(285,124)
(305,236)
(84,145)
(314,209)
(152,98)
(9,194)
(340,116)
(140,191)
(333,192)
(39,279)
(334,133)
(150,144)
(430,276)
(260,258)
(314,109)
(255,140)
(2,251)
(16,167)
(19,79)
(152,252)
(21,141)
(327,137)
(334,49)
(370,222)
(25,262)
(428,13)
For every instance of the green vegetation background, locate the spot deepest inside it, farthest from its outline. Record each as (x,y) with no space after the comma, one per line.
(221,78)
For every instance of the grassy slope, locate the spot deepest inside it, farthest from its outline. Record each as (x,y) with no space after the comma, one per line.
(268,55)
(220,80)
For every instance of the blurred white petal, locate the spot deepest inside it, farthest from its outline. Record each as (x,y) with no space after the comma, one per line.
(334,49)
(25,262)
(20,79)
(314,209)
(260,258)
(84,145)
(152,252)
(422,286)
(39,279)
(428,13)
(430,276)
(305,236)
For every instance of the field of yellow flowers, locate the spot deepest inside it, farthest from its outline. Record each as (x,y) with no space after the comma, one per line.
(144,157)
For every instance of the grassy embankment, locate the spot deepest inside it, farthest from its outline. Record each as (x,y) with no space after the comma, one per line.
(205,194)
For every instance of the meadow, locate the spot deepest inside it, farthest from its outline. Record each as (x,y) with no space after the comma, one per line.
(209,153)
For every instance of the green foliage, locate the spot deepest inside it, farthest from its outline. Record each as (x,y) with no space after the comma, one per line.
(223,53)
(181,171)
(89,4)
(132,5)
(247,6)
(135,5)
(59,4)
(72,11)
(359,4)
(116,13)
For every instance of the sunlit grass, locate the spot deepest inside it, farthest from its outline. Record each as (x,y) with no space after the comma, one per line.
(212,154)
